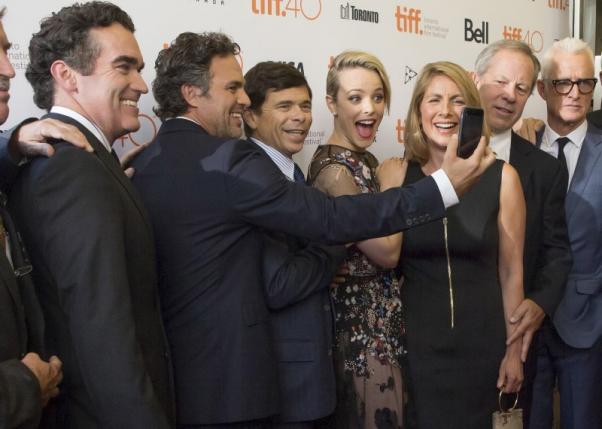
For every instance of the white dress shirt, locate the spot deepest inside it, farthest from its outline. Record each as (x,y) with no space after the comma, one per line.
(85,122)
(571,149)
(500,144)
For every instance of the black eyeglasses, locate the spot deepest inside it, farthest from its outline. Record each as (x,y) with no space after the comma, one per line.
(565,86)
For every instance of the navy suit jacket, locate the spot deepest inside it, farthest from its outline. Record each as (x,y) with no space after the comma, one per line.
(297,277)
(92,247)
(547,256)
(209,200)
(578,318)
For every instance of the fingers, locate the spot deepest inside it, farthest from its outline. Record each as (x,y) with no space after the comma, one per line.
(35,149)
(520,311)
(131,155)
(527,338)
(520,330)
(129,172)
(54,129)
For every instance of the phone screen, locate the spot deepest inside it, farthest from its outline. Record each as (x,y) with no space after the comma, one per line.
(471,129)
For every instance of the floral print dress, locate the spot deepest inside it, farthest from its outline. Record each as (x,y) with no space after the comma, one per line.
(368,309)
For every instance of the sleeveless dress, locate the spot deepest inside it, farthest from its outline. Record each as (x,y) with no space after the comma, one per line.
(367,307)
(452,371)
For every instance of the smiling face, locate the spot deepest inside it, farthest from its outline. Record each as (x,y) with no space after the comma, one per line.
(109,95)
(283,120)
(567,112)
(220,110)
(440,111)
(358,109)
(505,88)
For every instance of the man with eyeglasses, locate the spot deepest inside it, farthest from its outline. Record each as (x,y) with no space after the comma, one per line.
(570,350)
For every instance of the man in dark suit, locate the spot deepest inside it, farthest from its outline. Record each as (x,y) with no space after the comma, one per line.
(27,381)
(570,350)
(296,273)
(595,117)
(94,256)
(209,200)
(505,74)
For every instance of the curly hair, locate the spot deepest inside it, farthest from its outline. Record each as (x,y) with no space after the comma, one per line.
(65,36)
(187,61)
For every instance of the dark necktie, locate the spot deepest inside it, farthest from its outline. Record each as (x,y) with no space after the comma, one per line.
(298,175)
(562,141)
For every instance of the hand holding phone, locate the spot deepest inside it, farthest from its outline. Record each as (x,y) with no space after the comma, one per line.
(471,129)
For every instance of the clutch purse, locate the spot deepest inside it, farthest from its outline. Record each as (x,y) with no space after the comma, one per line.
(509,418)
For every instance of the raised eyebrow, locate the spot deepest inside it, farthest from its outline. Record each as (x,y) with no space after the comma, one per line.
(235,83)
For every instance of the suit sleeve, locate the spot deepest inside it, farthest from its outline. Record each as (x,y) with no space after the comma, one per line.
(20,396)
(259,194)
(83,240)
(554,259)
(292,274)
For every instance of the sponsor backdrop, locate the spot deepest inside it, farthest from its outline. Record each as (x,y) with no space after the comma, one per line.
(405,35)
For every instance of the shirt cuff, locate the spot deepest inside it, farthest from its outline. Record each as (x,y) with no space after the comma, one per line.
(448,193)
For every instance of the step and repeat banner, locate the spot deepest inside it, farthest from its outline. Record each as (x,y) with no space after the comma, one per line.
(405,35)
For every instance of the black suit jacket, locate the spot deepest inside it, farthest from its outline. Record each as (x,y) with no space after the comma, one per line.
(20,399)
(547,255)
(92,248)
(595,118)
(209,200)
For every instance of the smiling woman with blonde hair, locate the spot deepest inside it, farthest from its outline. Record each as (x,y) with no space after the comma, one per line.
(462,275)
(367,307)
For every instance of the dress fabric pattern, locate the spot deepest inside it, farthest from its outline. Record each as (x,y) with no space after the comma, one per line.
(368,310)
(452,371)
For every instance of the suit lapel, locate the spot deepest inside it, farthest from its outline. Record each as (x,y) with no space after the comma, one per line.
(110,163)
(588,158)
(520,159)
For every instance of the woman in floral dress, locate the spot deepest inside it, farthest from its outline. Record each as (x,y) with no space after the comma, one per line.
(368,310)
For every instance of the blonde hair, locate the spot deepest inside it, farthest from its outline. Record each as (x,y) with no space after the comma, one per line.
(356,59)
(416,147)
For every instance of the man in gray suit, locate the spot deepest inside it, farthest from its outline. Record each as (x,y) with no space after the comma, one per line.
(571,347)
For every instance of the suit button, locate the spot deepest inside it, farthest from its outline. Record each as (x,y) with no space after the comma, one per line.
(409,222)
(326,307)
(329,352)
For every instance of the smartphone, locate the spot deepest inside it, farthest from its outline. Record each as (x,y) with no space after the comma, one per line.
(471,129)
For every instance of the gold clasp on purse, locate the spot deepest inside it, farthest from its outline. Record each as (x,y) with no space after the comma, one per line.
(509,418)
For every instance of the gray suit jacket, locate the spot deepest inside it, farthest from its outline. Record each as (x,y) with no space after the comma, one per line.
(578,317)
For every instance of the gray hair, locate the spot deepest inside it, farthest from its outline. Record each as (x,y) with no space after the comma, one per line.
(484,59)
(569,45)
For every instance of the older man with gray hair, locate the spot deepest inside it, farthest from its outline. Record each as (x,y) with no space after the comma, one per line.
(570,350)
(505,74)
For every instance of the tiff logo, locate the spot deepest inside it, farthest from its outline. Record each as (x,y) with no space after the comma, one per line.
(272,7)
(512,33)
(479,35)
(408,20)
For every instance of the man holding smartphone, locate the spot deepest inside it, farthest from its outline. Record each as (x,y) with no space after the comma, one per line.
(505,74)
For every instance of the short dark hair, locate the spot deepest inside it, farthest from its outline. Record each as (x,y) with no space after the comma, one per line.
(270,75)
(187,61)
(65,35)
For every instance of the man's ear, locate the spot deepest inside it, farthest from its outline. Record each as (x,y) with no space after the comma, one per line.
(541,89)
(64,76)
(191,94)
(250,118)
(475,78)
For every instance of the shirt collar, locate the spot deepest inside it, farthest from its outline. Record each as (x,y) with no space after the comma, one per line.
(576,136)
(85,122)
(283,162)
(500,144)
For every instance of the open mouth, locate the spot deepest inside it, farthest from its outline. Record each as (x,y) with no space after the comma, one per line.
(504,111)
(365,129)
(446,126)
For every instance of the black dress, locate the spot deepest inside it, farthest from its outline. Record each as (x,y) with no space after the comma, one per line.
(455,331)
